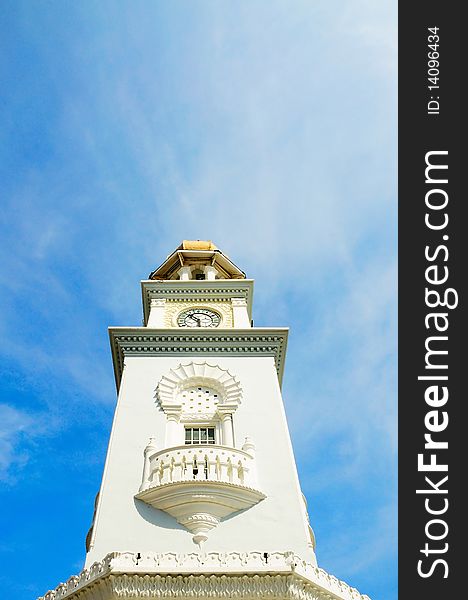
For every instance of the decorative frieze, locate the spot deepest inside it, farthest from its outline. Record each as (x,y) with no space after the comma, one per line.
(241,575)
(139,341)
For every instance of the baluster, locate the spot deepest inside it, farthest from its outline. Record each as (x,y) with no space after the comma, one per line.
(247,475)
(240,472)
(195,468)
(190,468)
(177,470)
(201,469)
(168,474)
(161,472)
(224,470)
(151,470)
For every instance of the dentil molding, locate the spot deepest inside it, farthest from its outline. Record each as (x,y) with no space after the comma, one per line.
(141,341)
(240,575)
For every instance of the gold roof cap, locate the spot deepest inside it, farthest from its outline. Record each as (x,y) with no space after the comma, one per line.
(197,245)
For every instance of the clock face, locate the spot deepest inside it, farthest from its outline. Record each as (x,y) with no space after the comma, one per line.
(198,317)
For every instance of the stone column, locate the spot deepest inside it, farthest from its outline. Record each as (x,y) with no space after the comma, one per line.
(185,273)
(226,424)
(173,427)
(210,273)
(156,316)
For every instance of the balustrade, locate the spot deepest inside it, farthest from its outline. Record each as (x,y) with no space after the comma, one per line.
(199,463)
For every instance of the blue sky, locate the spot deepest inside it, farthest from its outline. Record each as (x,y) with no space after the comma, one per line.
(268,127)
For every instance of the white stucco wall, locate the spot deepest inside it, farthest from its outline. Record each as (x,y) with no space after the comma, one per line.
(123,523)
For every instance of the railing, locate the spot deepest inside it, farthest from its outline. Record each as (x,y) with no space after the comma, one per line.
(199,463)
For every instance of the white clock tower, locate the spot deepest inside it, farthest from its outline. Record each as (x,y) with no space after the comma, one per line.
(200,496)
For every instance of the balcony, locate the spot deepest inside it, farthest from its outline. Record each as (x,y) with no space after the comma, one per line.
(199,485)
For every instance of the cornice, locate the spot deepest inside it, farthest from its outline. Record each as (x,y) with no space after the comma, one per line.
(242,575)
(220,290)
(141,341)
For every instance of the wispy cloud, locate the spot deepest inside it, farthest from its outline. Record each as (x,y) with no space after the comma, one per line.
(368,551)
(14,425)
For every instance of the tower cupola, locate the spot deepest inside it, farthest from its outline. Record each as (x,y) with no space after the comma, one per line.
(197,260)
